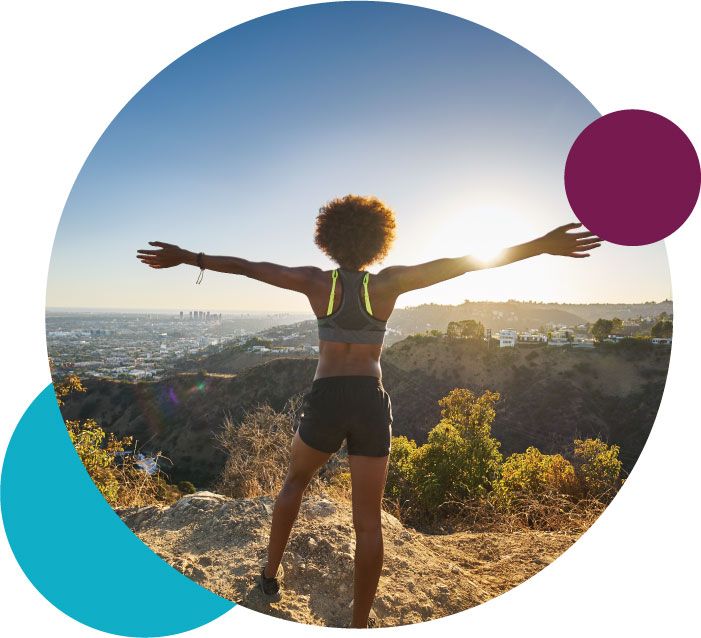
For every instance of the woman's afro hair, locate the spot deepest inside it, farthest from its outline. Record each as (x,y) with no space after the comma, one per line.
(355,231)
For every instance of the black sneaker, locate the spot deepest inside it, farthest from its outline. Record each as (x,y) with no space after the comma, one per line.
(269,586)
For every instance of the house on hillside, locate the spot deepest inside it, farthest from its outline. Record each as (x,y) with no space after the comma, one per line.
(507,338)
(259,349)
(532,336)
(560,337)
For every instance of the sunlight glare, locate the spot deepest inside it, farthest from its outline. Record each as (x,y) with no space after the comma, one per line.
(483,232)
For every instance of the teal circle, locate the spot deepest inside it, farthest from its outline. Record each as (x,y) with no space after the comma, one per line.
(75,549)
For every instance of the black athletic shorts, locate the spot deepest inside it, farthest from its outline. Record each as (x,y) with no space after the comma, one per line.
(355,408)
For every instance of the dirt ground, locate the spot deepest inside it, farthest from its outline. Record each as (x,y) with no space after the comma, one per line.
(221,544)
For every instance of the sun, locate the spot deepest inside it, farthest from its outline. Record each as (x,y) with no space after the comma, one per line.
(488,253)
(482,232)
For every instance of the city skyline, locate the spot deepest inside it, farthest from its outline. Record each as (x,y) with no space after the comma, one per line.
(176,310)
(234,147)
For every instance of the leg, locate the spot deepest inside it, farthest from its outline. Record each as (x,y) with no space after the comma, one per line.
(368,476)
(304,463)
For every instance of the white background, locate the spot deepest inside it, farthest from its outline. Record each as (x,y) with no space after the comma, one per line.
(69,67)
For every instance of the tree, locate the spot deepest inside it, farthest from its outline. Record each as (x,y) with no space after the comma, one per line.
(601,329)
(662,328)
(469,329)
(462,458)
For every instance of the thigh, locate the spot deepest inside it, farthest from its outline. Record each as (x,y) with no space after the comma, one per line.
(368,477)
(304,460)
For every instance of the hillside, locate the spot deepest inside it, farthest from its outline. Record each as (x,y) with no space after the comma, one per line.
(518,315)
(220,543)
(179,415)
(548,397)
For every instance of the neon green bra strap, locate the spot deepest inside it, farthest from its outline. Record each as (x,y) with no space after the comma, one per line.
(368,307)
(334,276)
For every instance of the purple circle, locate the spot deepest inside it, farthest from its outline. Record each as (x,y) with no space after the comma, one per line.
(632,177)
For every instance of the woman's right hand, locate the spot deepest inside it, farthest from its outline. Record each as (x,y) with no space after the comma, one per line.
(170,255)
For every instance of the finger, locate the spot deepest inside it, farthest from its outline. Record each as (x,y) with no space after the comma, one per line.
(578,255)
(162,244)
(145,251)
(587,247)
(585,233)
(589,240)
(568,226)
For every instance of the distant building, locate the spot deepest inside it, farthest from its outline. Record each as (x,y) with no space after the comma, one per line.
(532,336)
(507,338)
(560,338)
(662,341)
(259,349)
(583,342)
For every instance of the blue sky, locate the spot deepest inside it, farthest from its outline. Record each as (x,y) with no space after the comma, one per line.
(233,148)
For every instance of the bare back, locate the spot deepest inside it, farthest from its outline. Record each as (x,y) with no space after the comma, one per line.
(344,359)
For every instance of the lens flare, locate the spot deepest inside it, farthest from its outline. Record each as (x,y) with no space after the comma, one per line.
(173,396)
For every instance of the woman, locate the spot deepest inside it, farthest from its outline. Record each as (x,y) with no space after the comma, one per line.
(347,399)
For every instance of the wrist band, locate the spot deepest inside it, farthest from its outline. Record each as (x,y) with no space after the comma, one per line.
(199,263)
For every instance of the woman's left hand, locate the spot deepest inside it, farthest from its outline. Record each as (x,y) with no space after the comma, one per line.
(560,242)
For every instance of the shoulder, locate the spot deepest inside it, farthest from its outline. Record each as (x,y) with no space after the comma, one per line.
(389,278)
(318,278)
(389,272)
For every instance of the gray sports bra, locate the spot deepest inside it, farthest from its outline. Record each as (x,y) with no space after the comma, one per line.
(351,323)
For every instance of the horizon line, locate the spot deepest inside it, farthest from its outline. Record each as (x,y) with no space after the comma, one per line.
(300,312)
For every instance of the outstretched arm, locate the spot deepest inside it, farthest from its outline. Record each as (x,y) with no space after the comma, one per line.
(557,242)
(300,279)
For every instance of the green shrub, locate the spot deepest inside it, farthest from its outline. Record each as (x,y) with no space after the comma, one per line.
(121,482)
(459,462)
(186,487)
(98,456)
(532,473)
(598,467)
(400,469)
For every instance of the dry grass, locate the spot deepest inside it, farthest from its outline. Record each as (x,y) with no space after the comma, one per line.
(258,454)
(258,451)
(137,488)
(547,512)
